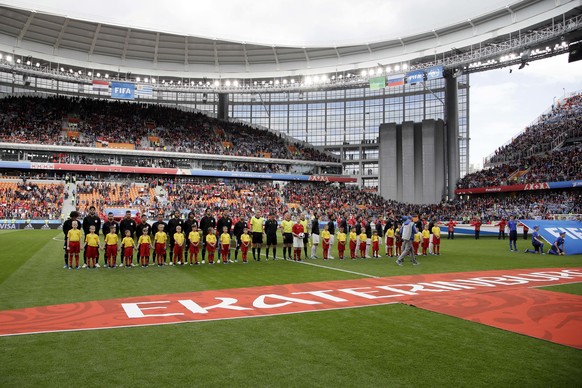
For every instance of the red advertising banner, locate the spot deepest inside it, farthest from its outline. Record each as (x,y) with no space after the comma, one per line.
(437,292)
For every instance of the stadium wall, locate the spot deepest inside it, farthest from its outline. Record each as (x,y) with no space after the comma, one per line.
(412,161)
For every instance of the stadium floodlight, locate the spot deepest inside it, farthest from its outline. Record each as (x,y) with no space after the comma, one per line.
(255,83)
(397,68)
(163,81)
(388,69)
(18,60)
(285,81)
(106,75)
(71,71)
(80,72)
(404,66)
(228,83)
(89,74)
(277,82)
(37,64)
(316,79)
(98,75)
(171,82)
(364,73)
(379,70)
(235,83)
(146,80)
(153,80)
(138,79)
(8,58)
(308,81)
(217,83)
(28,63)
(292,80)
(341,76)
(180,82)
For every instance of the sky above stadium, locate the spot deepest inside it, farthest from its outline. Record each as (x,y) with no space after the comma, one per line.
(501,103)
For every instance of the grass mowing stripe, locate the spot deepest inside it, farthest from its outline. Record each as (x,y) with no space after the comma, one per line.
(16,252)
(392,345)
(570,288)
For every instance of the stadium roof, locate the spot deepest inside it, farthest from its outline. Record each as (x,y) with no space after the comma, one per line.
(75,42)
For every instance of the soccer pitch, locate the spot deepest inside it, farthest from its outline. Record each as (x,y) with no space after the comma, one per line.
(388,345)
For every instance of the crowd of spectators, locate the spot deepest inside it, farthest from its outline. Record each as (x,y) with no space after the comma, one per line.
(27,200)
(563,122)
(489,207)
(151,127)
(555,166)
(110,194)
(240,198)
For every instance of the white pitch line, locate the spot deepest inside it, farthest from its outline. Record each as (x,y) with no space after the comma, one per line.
(326,267)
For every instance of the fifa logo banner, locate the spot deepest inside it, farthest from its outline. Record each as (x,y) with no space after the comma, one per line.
(123,90)
(434,72)
(550,231)
(413,77)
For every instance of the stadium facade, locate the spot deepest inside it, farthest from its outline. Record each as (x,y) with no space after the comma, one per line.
(321,95)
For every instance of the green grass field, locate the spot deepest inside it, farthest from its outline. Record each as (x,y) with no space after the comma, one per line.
(392,345)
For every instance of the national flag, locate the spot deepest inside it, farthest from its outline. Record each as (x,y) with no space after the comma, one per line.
(144,90)
(100,85)
(395,80)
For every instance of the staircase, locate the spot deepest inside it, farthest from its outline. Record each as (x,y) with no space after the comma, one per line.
(69,204)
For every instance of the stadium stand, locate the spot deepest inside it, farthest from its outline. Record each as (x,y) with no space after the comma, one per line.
(548,151)
(28,200)
(95,123)
(549,132)
(21,199)
(556,166)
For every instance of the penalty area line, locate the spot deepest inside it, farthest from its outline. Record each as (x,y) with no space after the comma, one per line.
(326,267)
(335,269)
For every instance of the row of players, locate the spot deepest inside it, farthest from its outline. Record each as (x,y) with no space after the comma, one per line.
(294,234)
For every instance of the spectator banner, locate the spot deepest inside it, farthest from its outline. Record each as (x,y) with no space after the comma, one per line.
(144,90)
(413,77)
(32,224)
(172,171)
(492,189)
(529,186)
(99,85)
(395,80)
(536,186)
(565,185)
(550,230)
(377,83)
(434,72)
(123,90)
